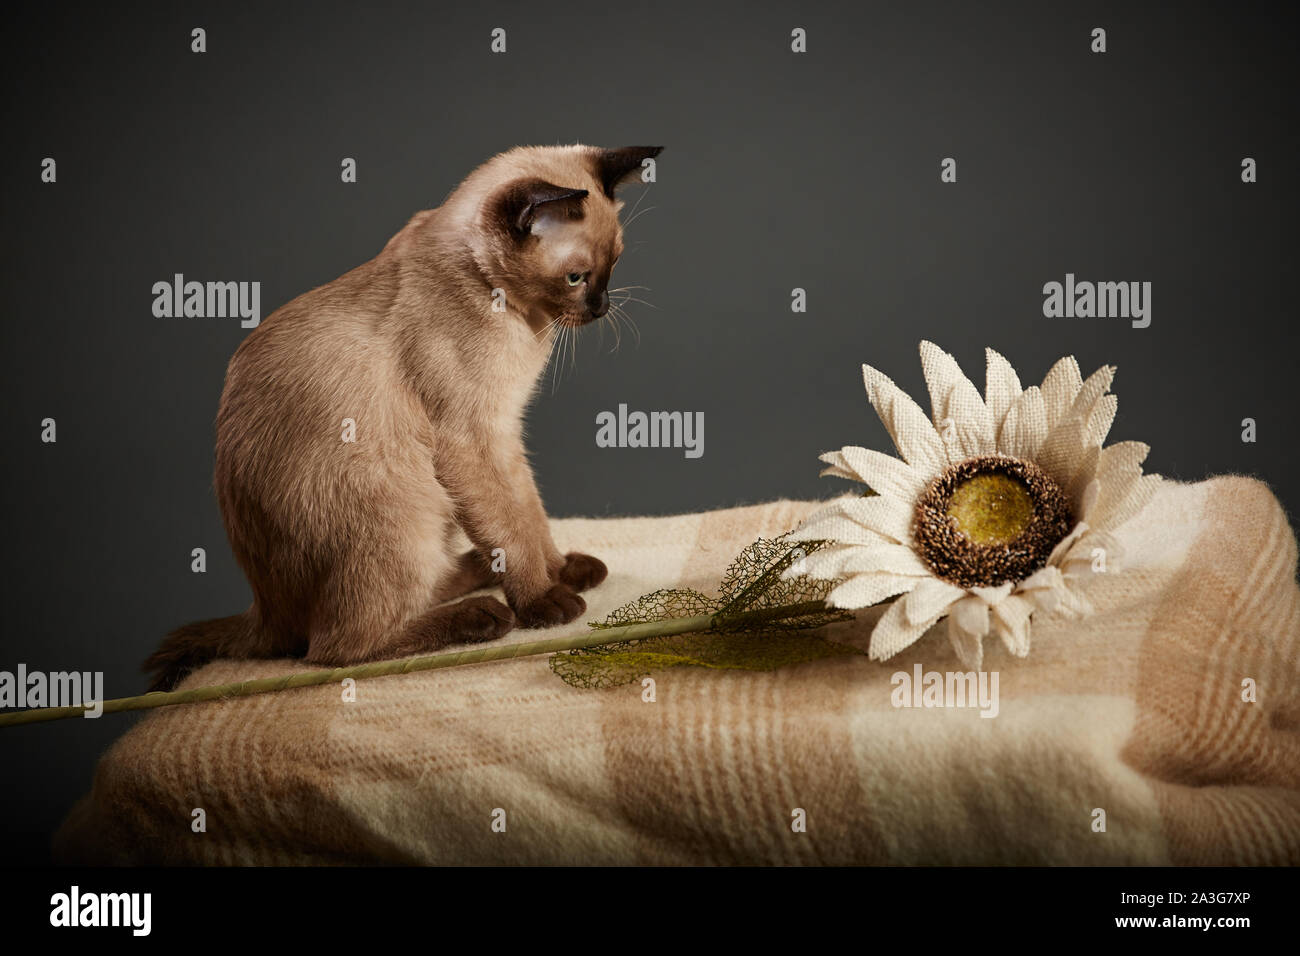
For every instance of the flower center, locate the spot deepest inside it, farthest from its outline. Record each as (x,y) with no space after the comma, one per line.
(990,519)
(991,508)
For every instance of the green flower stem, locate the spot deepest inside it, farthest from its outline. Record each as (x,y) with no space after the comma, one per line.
(500,652)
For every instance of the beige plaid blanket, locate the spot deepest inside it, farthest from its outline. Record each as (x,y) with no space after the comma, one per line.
(1133,719)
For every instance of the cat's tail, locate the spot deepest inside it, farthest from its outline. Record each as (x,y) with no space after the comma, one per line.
(193,645)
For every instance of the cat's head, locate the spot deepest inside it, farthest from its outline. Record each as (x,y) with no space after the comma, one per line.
(553,229)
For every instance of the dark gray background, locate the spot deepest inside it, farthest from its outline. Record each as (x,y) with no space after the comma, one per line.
(781,170)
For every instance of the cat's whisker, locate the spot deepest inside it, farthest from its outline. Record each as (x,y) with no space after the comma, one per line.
(631,323)
(637,205)
(558,344)
(638,215)
(563,355)
(554,322)
(632,298)
(618,325)
(620,297)
(550,360)
(638,202)
(617,313)
(548,328)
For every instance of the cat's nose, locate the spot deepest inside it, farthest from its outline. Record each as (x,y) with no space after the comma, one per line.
(599,305)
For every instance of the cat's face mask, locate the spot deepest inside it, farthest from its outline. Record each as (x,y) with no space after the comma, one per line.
(562,242)
(577,242)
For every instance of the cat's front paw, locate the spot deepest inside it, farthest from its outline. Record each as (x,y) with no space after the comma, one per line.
(582,571)
(559,605)
(474,620)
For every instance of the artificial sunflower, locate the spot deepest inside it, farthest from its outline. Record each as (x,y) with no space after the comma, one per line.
(999,506)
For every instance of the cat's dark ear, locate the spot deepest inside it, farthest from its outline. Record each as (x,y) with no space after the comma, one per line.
(616,166)
(521,203)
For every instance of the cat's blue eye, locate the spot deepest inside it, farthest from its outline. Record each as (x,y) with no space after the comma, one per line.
(575,278)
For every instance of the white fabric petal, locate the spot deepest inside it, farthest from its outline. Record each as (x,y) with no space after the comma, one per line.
(837,465)
(1070,598)
(826,563)
(1135,501)
(1119,469)
(971,616)
(1001,387)
(1045,588)
(960,415)
(891,558)
(1065,544)
(1011,621)
(833,523)
(968,623)
(865,590)
(884,474)
(970,649)
(942,375)
(885,516)
(1060,386)
(842,530)
(1085,423)
(1064,453)
(838,560)
(1121,458)
(1087,500)
(1100,420)
(909,427)
(1077,572)
(1025,425)
(930,599)
(1097,385)
(893,633)
(836,468)
(993,596)
(1084,475)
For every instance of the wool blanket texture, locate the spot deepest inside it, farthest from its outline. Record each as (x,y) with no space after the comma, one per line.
(1171,716)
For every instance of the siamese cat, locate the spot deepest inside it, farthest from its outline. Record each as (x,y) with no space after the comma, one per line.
(367,420)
